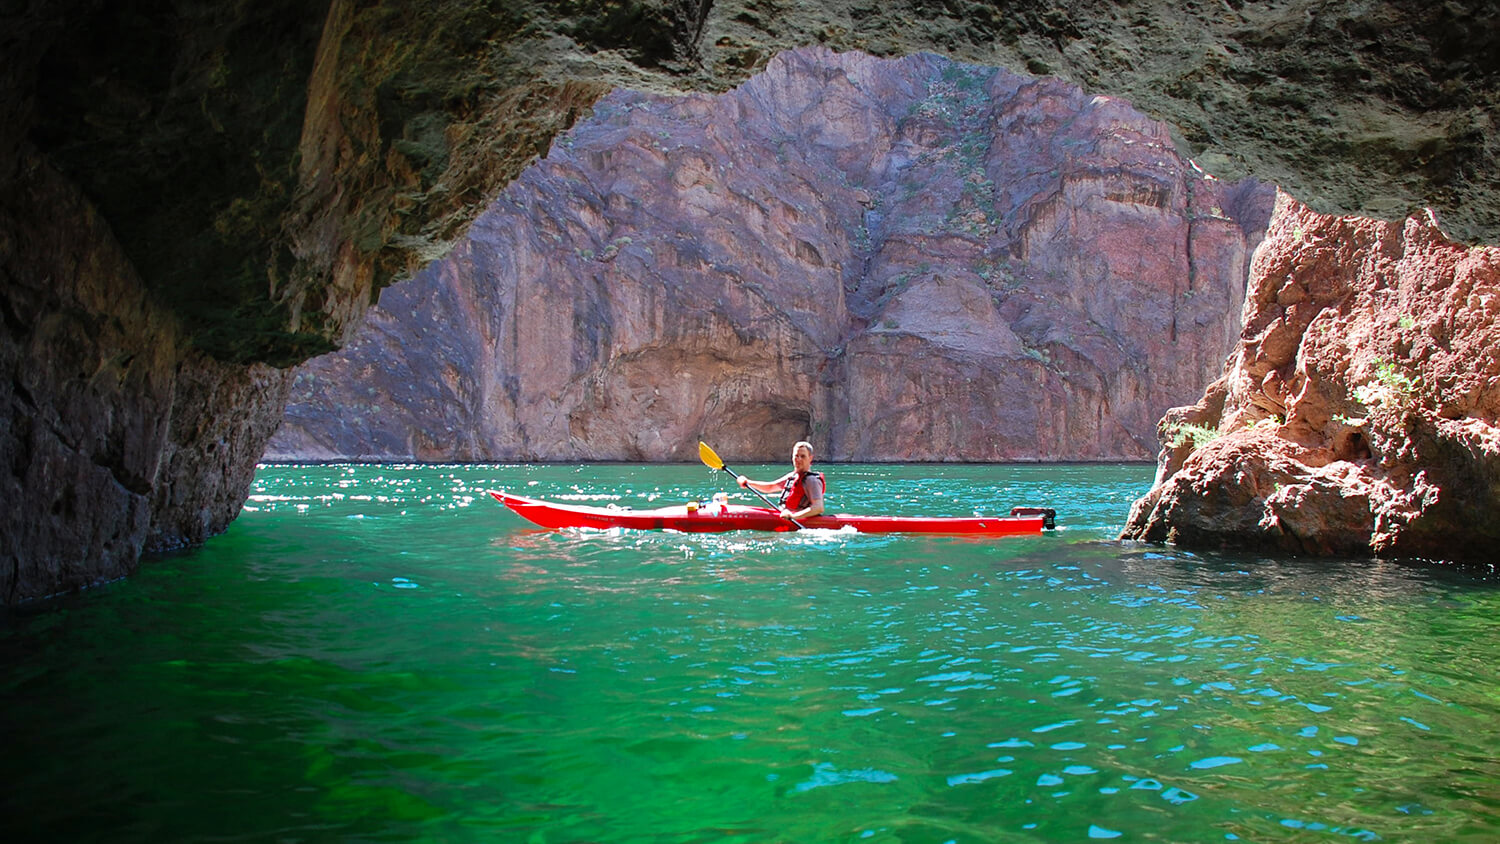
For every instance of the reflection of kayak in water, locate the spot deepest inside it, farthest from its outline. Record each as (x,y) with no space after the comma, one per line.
(716,518)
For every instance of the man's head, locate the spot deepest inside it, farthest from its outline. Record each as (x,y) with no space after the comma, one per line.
(802,456)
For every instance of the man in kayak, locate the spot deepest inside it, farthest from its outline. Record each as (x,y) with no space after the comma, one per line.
(801,489)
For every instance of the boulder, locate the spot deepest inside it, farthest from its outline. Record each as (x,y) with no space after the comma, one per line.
(1361,412)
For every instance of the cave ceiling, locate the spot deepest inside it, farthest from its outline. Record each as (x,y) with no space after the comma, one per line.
(270,166)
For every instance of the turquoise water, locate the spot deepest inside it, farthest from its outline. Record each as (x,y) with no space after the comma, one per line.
(382,653)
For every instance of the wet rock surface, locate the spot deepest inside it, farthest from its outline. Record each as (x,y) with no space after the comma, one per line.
(906,259)
(1359,415)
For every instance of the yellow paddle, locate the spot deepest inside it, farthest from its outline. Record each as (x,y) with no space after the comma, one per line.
(713,461)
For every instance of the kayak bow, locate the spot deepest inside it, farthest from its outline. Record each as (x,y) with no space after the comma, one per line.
(721,518)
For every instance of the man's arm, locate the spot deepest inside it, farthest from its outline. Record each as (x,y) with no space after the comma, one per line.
(763,486)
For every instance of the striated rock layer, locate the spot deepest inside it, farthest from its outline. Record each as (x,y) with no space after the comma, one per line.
(1361,413)
(905,259)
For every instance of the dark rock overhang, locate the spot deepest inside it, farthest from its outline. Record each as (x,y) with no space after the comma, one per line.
(269,166)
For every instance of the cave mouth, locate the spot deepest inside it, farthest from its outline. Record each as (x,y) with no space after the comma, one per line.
(845,248)
(266,169)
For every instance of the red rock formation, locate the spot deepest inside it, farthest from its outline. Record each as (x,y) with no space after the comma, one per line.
(905,260)
(1359,414)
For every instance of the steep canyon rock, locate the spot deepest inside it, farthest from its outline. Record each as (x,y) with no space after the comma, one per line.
(1361,412)
(905,259)
(260,171)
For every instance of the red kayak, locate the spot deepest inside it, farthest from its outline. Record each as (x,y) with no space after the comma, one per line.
(716,518)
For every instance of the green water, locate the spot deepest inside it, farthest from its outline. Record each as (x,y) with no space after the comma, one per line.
(382,653)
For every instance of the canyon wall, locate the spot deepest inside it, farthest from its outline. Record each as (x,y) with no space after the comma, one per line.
(908,259)
(196,193)
(1360,414)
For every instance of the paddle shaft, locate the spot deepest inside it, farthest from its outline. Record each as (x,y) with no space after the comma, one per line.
(711,459)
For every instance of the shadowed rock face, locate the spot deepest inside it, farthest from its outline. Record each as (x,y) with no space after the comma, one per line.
(900,259)
(237,181)
(1359,414)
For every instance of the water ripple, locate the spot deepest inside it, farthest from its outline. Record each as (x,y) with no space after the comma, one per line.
(376,652)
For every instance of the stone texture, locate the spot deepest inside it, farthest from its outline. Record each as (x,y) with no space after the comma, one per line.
(905,259)
(1359,415)
(116,436)
(266,168)
(302,155)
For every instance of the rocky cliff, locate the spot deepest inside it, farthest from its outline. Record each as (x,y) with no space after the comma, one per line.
(908,259)
(115,442)
(237,181)
(1360,414)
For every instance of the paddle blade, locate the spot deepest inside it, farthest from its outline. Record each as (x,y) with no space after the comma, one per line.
(709,458)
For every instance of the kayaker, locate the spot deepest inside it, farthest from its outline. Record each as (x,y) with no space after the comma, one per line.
(801,489)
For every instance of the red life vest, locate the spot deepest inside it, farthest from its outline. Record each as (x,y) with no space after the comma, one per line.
(794,495)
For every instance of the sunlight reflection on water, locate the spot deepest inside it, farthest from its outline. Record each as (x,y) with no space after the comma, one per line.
(383,652)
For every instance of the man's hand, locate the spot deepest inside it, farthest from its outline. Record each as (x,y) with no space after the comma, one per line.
(743,481)
(786,514)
